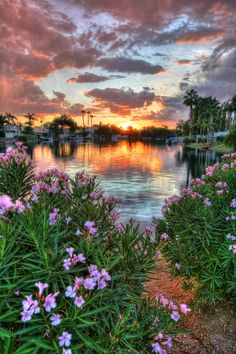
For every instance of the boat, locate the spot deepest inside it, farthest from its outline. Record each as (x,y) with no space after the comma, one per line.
(205,147)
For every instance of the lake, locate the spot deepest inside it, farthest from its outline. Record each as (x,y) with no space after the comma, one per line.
(141,174)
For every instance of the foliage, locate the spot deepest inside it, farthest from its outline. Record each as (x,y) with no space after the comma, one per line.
(231,138)
(72,277)
(207,115)
(16,173)
(28,130)
(198,234)
(60,123)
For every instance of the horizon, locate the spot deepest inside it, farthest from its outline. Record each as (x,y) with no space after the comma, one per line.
(128,63)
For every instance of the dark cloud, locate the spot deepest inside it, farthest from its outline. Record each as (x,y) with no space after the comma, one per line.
(129,65)
(122,100)
(92,78)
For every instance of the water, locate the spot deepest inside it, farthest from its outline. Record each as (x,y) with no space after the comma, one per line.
(141,174)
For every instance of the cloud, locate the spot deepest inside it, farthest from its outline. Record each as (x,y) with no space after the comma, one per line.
(184,61)
(121,101)
(129,65)
(92,78)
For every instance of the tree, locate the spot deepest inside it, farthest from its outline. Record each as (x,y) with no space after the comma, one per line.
(58,124)
(190,99)
(6,119)
(31,118)
(83,113)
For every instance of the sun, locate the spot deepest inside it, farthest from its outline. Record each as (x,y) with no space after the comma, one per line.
(126,125)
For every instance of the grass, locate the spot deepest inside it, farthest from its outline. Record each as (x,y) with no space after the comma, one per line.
(217,146)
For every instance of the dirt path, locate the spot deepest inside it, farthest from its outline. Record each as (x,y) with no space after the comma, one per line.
(211,331)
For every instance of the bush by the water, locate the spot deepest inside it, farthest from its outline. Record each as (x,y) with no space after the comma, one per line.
(198,234)
(72,278)
(231,138)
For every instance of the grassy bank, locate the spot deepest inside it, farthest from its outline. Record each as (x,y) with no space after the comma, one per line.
(217,146)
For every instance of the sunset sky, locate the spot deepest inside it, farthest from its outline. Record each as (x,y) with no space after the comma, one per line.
(128,61)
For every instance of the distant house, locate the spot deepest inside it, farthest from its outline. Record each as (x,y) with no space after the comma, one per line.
(43,134)
(12,131)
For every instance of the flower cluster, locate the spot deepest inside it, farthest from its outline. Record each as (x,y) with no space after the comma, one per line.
(51,181)
(170,305)
(73,258)
(94,279)
(198,182)
(161,341)
(54,216)
(83,179)
(6,204)
(17,154)
(89,226)
(232,216)
(31,307)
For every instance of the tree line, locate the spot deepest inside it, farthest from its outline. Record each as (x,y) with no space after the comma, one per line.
(206,115)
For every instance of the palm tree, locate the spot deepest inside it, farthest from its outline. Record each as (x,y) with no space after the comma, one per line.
(10,118)
(190,99)
(31,118)
(88,115)
(83,113)
(91,120)
(6,119)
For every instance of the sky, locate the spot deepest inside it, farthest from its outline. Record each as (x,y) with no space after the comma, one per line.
(128,62)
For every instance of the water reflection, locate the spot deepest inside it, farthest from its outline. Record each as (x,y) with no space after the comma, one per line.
(142,174)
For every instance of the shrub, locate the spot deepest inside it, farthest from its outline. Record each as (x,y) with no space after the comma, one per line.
(231,138)
(72,278)
(198,234)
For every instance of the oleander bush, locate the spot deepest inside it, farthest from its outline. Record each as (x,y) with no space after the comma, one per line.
(72,278)
(198,233)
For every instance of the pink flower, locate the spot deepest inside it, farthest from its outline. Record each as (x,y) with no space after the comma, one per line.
(67,263)
(184,308)
(55,319)
(70,292)
(66,351)
(41,287)
(156,348)
(89,283)
(78,282)
(232,248)
(92,230)
(70,250)
(68,220)
(89,224)
(101,284)
(64,339)
(207,202)
(80,258)
(220,191)
(165,236)
(79,301)
(54,216)
(175,316)
(50,302)
(26,315)
(6,202)
(106,276)
(233,203)
(78,233)
(177,266)
(19,206)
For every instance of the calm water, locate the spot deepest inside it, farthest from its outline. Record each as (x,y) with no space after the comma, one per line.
(141,174)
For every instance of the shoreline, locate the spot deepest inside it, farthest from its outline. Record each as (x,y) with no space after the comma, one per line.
(217,147)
